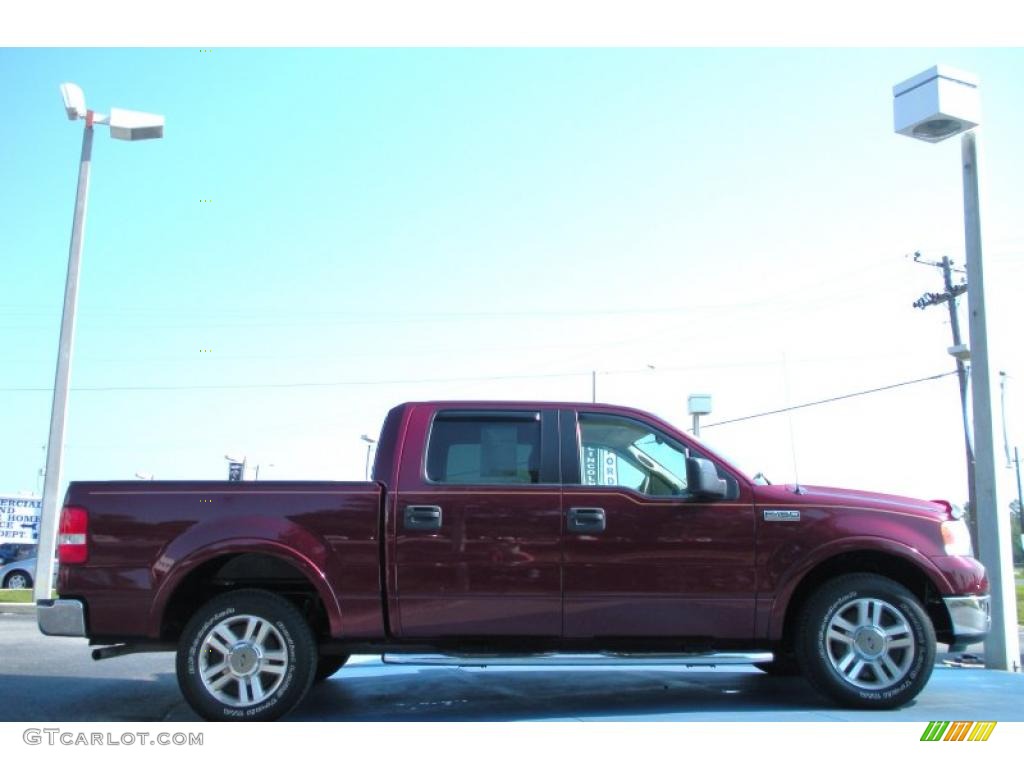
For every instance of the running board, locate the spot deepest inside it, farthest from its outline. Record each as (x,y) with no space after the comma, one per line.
(579,659)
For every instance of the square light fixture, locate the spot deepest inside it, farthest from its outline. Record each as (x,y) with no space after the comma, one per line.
(938,103)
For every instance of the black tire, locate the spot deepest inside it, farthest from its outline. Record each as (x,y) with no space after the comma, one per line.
(328,665)
(880,659)
(12,577)
(269,672)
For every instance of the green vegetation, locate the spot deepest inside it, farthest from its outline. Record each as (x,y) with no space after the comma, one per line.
(17,595)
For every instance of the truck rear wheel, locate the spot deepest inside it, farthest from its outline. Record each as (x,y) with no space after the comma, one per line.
(246,655)
(866,641)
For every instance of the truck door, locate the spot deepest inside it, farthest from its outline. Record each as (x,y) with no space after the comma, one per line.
(477,524)
(642,556)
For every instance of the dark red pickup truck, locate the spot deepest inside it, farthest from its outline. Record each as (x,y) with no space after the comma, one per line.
(512,529)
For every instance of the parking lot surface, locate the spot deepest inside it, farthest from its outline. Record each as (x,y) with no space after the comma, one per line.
(55,679)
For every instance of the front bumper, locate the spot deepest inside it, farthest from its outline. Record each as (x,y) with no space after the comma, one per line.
(969,617)
(61,618)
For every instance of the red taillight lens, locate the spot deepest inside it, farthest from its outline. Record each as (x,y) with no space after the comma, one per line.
(73,539)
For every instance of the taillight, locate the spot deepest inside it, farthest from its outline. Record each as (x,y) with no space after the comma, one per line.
(72,539)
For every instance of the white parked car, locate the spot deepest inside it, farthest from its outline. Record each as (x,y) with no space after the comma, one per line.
(20,574)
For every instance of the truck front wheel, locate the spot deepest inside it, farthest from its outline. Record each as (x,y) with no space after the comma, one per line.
(866,641)
(328,665)
(246,655)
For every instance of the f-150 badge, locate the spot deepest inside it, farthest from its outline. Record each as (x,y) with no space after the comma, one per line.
(782,515)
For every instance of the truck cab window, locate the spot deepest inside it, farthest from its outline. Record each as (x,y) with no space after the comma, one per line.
(494,449)
(616,451)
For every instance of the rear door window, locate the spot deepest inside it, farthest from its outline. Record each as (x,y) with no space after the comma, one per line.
(485,448)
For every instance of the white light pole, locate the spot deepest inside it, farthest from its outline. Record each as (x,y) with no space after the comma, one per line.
(935,105)
(130,126)
(698,405)
(369,446)
(257,477)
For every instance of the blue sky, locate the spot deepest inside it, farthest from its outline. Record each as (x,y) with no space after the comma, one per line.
(398,224)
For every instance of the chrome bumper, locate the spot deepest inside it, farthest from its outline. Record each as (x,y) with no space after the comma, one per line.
(969,616)
(62,618)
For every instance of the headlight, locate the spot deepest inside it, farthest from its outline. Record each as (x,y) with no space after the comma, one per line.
(957,538)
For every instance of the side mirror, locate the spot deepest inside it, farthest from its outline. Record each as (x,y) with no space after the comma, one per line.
(702,479)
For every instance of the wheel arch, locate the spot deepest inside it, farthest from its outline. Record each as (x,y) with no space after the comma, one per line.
(906,568)
(243,564)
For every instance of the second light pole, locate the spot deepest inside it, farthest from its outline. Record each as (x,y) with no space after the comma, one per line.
(369,447)
(129,126)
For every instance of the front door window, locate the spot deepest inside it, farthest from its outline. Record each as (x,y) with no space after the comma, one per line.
(616,451)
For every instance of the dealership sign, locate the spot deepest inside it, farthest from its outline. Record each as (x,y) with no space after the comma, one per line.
(600,467)
(19,520)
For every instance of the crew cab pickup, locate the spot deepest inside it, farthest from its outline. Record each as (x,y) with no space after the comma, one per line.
(502,531)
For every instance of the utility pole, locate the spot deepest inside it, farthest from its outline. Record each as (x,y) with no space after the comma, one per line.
(949,298)
(1020,497)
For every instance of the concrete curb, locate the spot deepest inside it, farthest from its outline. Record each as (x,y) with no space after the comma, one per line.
(25,608)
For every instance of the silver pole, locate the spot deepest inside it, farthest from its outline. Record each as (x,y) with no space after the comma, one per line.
(1002,647)
(696,425)
(58,414)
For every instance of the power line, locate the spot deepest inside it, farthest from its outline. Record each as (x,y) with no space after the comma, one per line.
(831,399)
(293,385)
(239,318)
(441,380)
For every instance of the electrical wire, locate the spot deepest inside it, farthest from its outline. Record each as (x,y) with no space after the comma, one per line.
(829,400)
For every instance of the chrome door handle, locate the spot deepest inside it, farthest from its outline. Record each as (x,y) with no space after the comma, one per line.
(586,519)
(422,518)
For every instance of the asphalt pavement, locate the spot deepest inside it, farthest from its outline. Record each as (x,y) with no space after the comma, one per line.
(55,679)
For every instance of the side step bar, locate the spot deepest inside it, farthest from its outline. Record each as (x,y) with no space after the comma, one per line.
(124,649)
(579,659)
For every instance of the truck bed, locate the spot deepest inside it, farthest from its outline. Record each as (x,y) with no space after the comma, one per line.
(148,535)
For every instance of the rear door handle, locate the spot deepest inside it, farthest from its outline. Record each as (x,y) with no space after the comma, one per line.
(586,520)
(422,518)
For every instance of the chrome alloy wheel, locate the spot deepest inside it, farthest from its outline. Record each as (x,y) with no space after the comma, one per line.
(870,643)
(243,660)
